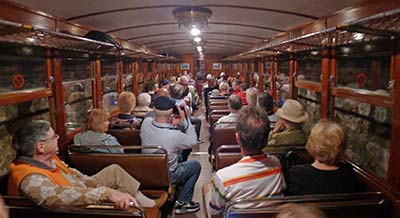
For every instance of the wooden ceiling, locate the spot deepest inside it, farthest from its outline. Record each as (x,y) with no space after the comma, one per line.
(234,26)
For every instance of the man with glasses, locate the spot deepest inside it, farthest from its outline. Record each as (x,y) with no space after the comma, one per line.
(38,174)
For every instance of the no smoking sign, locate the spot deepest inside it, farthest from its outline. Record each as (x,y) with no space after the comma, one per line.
(18,81)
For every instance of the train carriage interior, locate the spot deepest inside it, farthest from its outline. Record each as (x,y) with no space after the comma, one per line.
(65,61)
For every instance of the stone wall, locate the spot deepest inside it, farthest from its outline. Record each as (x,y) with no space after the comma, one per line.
(311,103)
(13,117)
(368,130)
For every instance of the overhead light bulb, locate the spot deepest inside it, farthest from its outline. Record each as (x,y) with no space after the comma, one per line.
(199,48)
(194,31)
(358,36)
(197,39)
(29,39)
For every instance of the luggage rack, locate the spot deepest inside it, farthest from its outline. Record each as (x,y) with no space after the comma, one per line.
(28,35)
(381,26)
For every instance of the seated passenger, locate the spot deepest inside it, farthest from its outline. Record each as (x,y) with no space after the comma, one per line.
(242,93)
(235,87)
(224,89)
(234,105)
(326,175)
(255,175)
(94,133)
(251,96)
(38,174)
(163,131)
(144,101)
(126,103)
(266,102)
(289,128)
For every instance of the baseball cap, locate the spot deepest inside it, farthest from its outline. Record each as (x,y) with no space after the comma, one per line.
(163,103)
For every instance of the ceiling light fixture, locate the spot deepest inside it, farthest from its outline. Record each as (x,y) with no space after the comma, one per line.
(197,39)
(190,16)
(194,31)
(199,48)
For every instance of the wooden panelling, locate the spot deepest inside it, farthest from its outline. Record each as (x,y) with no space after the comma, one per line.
(12,12)
(304,84)
(74,29)
(325,68)
(210,59)
(22,96)
(361,11)
(59,101)
(363,96)
(292,71)
(394,163)
(190,59)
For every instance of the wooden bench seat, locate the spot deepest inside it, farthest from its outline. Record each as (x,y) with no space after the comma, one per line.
(151,170)
(351,205)
(21,207)
(226,155)
(127,136)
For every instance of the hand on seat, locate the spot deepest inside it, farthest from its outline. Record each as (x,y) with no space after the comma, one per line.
(122,200)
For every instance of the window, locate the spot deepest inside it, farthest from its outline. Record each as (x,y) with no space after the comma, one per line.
(127,75)
(21,67)
(78,88)
(109,81)
(309,66)
(365,66)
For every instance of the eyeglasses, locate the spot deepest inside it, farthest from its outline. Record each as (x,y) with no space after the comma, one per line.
(55,136)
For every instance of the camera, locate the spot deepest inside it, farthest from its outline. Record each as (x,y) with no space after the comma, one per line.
(175,109)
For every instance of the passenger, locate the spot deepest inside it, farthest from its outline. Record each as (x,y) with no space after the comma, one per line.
(251,96)
(242,93)
(3,209)
(291,210)
(160,92)
(266,102)
(164,84)
(234,105)
(224,89)
(215,93)
(235,87)
(326,175)
(288,130)
(144,101)
(212,84)
(94,134)
(162,130)
(256,174)
(126,103)
(38,174)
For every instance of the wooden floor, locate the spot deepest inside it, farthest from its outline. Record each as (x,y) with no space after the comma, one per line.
(200,153)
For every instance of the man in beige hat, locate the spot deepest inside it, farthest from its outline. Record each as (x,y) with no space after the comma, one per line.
(288,130)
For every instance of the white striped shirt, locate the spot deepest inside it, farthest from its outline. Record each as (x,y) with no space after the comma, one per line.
(252,177)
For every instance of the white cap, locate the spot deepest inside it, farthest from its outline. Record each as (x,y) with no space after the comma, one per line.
(209,76)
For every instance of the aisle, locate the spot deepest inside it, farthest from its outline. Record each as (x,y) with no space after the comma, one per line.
(200,153)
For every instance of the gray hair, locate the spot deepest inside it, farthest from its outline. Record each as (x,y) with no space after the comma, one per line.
(25,139)
(144,99)
(235,102)
(176,91)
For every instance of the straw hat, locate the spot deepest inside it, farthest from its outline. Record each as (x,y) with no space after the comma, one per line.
(293,111)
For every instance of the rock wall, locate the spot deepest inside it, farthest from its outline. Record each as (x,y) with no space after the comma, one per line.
(13,117)
(311,103)
(368,130)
